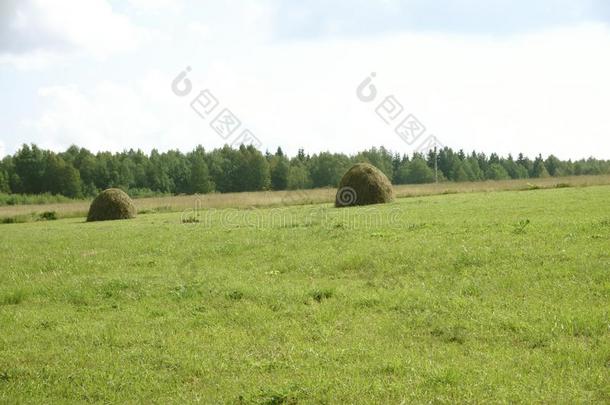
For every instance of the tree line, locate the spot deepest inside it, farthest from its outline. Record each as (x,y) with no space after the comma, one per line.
(78,173)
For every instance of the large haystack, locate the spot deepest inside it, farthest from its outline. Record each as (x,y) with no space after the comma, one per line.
(111,204)
(363,184)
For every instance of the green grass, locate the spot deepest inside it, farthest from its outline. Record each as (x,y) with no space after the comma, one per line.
(484,297)
(266,199)
(24,199)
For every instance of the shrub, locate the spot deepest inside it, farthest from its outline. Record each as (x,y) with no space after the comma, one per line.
(111,204)
(17,219)
(48,216)
(363,184)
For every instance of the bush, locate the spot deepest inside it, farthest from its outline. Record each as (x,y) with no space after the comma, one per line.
(364,184)
(17,219)
(48,216)
(111,204)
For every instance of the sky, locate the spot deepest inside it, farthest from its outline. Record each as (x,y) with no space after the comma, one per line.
(505,76)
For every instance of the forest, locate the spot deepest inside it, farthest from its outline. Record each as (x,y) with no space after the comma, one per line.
(79,173)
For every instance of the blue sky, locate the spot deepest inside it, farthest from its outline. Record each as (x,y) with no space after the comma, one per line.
(318,18)
(505,76)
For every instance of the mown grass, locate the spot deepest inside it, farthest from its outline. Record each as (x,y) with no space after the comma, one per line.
(482,297)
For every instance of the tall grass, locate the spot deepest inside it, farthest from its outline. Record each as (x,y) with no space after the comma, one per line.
(28,199)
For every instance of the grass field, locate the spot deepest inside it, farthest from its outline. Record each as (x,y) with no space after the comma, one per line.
(478,297)
(259,199)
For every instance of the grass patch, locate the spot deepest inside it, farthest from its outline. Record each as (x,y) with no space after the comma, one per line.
(20,219)
(530,187)
(520,227)
(190,219)
(26,199)
(154,203)
(321,295)
(17,219)
(457,298)
(563,185)
(13,298)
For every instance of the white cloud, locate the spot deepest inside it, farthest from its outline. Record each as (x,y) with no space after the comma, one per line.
(34,60)
(157,6)
(234,24)
(108,116)
(2,150)
(37,30)
(201,30)
(535,93)
(143,114)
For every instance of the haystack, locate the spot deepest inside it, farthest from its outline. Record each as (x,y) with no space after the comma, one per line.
(110,205)
(364,184)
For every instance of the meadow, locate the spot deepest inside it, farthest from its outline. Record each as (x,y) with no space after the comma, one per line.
(30,208)
(459,297)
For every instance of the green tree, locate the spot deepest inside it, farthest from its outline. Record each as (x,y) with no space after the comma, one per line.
(497,172)
(222,164)
(327,169)
(483,164)
(85,163)
(380,158)
(298,176)
(526,164)
(460,171)
(279,168)
(4,183)
(29,168)
(554,166)
(473,165)
(199,180)
(71,185)
(77,171)
(514,170)
(61,177)
(178,170)
(538,168)
(252,170)
(417,171)
(157,176)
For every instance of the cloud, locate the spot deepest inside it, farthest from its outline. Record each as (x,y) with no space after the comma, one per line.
(202,31)
(2,150)
(157,6)
(344,18)
(107,116)
(534,93)
(37,30)
(234,24)
(141,114)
